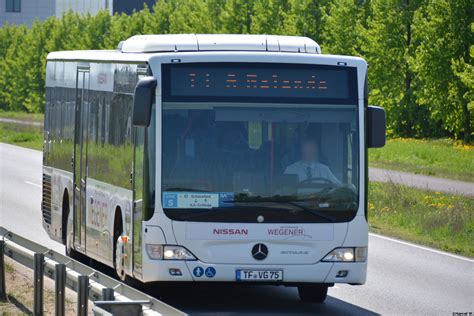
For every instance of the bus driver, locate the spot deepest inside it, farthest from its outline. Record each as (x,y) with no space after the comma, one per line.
(309,168)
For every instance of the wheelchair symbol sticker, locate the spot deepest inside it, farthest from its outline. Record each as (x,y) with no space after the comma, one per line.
(210,272)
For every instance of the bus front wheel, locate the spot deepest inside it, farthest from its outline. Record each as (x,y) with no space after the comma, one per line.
(313,293)
(119,258)
(119,247)
(69,234)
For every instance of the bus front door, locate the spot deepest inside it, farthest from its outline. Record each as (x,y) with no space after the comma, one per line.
(80,157)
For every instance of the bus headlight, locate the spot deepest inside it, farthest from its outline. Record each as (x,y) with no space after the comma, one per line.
(167,252)
(177,253)
(155,252)
(358,254)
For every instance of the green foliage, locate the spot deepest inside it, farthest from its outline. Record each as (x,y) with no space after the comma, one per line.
(10,39)
(98,30)
(287,17)
(419,51)
(443,63)
(345,15)
(236,17)
(389,48)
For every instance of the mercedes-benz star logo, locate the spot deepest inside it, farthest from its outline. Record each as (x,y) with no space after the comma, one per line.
(259,251)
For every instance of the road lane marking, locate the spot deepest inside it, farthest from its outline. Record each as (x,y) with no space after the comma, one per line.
(32,183)
(422,247)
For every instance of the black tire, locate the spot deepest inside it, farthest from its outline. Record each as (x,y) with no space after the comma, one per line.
(65,216)
(313,293)
(118,229)
(71,253)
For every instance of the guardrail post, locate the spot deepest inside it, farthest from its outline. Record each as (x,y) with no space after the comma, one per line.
(108,294)
(38,284)
(82,295)
(60,287)
(3,288)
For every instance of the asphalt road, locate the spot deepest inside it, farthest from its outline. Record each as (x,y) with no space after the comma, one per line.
(422,182)
(402,278)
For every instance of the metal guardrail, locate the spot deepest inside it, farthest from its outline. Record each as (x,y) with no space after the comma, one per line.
(110,297)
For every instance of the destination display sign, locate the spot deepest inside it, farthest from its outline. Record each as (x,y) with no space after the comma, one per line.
(260,82)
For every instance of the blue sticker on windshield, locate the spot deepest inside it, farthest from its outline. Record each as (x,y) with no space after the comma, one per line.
(170,200)
(226,199)
(197,199)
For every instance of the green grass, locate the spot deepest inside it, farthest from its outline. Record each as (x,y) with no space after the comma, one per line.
(443,158)
(437,220)
(21,135)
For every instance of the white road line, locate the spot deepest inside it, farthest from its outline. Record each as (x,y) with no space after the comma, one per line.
(422,247)
(32,183)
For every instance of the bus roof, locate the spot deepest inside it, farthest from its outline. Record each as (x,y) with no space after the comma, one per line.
(138,48)
(218,42)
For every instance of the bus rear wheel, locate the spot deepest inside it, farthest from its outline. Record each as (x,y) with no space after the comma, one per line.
(313,293)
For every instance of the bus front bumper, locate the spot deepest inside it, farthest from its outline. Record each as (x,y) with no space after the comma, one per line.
(188,271)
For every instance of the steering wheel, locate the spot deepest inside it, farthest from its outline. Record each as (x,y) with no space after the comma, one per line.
(315,183)
(317,179)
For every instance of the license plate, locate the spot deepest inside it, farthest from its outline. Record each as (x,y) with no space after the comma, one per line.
(259,275)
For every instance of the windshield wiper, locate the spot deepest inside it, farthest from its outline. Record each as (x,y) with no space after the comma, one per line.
(286,201)
(179,189)
(312,211)
(220,210)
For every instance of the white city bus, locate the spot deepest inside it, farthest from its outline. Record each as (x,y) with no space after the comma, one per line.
(211,158)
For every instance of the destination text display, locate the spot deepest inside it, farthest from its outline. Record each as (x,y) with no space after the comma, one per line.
(242,82)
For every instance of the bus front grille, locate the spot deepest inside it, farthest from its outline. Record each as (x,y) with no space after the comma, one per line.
(46,201)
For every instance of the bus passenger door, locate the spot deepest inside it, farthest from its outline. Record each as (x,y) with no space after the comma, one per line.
(138,178)
(80,157)
(140,184)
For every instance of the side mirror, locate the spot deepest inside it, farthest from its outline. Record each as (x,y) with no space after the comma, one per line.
(376,126)
(143,100)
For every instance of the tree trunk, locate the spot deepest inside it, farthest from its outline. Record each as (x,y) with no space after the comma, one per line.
(409,130)
(467,60)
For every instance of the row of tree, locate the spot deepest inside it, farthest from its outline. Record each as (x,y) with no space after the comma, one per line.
(419,51)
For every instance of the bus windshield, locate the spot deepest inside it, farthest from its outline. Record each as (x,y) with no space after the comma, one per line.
(260,162)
